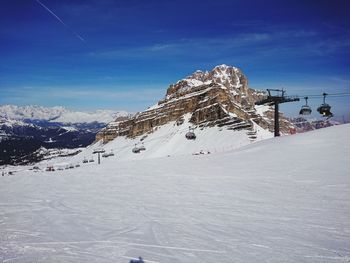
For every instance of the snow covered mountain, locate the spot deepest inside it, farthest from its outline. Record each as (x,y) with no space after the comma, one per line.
(19,141)
(218,106)
(24,130)
(304,125)
(58,114)
(284,199)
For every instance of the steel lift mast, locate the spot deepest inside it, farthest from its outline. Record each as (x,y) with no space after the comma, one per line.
(276,100)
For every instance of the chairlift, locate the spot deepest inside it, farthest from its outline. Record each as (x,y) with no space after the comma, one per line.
(136,149)
(324,109)
(142,147)
(305,109)
(50,168)
(98,150)
(190,135)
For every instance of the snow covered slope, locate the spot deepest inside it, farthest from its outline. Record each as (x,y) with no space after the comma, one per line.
(169,140)
(58,114)
(284,199)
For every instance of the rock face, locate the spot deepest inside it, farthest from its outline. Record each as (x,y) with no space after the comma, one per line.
(219,97)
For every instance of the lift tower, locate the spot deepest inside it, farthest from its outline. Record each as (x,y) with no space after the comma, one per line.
(276,100)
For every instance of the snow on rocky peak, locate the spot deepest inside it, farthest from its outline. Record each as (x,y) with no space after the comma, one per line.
(221,75)
(58,114)
(11,123)
(227,76)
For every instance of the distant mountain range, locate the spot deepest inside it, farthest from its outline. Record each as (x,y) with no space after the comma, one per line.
(24,130)
(304,125)
(58,114)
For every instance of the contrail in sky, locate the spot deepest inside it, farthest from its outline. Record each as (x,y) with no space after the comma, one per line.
(60,20)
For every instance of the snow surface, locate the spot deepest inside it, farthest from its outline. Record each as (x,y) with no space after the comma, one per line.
(285,199)
(169,140)
(261,109)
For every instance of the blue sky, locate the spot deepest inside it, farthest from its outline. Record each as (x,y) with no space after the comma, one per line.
(91,54)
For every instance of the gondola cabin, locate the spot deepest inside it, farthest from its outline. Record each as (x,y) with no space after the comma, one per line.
(325,110)
(305,109)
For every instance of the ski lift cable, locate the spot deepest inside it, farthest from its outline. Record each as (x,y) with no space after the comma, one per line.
(185,129)
(321,95)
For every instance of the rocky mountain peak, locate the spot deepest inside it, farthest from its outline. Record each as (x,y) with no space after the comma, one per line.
(221,76)
(199,75)
(219,97)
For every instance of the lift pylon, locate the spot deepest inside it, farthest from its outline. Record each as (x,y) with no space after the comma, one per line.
(276,100)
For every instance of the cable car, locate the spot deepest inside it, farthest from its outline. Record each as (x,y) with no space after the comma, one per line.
(324,109)
(305,109)
(190,135)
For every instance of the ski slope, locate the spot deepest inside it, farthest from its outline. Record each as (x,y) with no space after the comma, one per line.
(283,199)
(169,140)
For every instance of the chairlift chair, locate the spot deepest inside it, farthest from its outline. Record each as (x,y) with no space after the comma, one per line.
(325,109)
(142,147)
(190,135)
(305,109)
(98,150)
(136,149)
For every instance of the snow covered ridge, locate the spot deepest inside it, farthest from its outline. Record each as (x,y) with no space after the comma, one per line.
(286,199)
(224,76)
(11,123)
(58,114)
